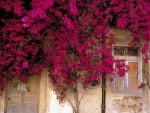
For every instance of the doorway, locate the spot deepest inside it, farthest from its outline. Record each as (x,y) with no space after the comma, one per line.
(22,97)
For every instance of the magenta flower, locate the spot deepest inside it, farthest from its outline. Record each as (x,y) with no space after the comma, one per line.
(69,23)
(26,25)
(48,3)
(122,22)
(25,64)
(73,7)
(25,19)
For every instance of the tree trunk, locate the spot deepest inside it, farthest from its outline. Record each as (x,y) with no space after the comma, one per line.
(76,97)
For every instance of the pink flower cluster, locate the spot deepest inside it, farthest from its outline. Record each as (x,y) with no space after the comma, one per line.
(70,38)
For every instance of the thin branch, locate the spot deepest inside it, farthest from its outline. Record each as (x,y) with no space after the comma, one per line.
(28,40)
(82,96)
(74,109)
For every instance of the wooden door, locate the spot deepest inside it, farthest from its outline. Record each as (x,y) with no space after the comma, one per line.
(22,98)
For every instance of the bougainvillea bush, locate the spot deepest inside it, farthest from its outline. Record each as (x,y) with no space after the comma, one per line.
(68,37)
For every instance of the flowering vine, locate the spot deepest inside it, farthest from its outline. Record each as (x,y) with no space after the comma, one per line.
(67,37)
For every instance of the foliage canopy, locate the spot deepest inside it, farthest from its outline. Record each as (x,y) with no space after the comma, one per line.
(71,38)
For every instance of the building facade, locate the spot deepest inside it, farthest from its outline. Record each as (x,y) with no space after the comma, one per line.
(122,94)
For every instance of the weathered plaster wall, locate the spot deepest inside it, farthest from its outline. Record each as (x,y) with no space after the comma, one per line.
(123,103)
(115,103)
(91,103)
(122,37)
(1,102)
(43,92)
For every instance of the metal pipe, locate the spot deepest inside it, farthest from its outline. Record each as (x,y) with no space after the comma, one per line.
(103,105)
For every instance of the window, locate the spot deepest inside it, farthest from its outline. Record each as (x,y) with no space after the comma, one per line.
(129,83)
(126,51)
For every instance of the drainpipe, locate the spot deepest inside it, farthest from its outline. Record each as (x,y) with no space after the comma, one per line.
(103,86)
(103,105)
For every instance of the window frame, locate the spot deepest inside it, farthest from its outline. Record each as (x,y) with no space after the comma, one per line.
(127,59)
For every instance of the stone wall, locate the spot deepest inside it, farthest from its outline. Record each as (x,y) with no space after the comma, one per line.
(128,104)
